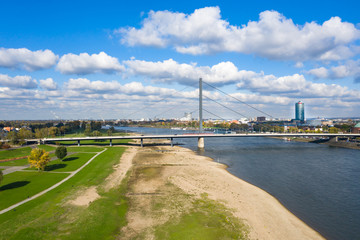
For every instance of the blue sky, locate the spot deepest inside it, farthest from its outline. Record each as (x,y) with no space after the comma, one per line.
(142,59)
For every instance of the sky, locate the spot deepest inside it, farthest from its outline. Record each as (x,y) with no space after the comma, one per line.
(143,59)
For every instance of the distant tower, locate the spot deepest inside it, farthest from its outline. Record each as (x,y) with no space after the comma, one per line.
(299,111)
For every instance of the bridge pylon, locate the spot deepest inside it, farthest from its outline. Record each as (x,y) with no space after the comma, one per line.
(201,143)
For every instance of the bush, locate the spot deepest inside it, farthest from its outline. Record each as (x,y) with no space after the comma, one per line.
(61,152)
(5,146)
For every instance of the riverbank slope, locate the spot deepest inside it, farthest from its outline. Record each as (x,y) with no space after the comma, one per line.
(197,176)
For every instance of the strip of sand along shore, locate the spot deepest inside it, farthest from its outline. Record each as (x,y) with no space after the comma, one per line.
(164,182)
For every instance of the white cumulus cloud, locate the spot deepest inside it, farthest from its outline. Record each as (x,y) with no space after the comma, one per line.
(350,68)
(296,86)
(273,36)
(226,73)
(188,74)
(48,84)
(23,58)
(319,72)
(87,64)
(17,81)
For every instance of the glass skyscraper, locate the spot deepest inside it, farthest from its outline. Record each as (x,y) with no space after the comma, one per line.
(299,111)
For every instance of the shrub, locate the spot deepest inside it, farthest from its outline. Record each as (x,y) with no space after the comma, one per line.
(61,152)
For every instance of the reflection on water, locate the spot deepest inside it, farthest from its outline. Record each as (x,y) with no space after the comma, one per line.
(318,183)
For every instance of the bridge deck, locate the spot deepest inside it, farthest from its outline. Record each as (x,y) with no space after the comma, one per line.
(202,135)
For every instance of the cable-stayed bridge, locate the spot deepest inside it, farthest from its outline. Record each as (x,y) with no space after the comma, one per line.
(201,135)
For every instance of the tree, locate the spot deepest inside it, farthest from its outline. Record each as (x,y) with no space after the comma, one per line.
(24,134)
(110,131)
(61,152)
(39,158)
(333,130)
(53,131)
(96,133)
(87,131)
(1,176)
(13,137)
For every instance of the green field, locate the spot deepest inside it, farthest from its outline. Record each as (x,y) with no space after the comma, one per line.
(47,148)
(81,134)
(85,149)
(207,220)
(19,162)
(50,217)
(93,142)
(14,153)
(70,163)
(18,186)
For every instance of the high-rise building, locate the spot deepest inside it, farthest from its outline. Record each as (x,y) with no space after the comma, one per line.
(299,111)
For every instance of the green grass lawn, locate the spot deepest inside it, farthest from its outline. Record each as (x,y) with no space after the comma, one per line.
(50,217)
(13,153)
(93,142)
(47,148)
(206,220)
(19,162)
(69,164)
(17,186)
(81,134)
(84,149)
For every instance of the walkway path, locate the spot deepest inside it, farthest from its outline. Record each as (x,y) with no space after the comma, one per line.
(11,169)
(52,187)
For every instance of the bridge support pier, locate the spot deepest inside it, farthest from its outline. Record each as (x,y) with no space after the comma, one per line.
(142,143)
(172,142)
(201,143)
(110,142)
(78,143)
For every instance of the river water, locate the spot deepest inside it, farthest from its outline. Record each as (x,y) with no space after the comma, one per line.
(318,183)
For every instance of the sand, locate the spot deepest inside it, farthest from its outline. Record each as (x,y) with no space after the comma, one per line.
(194,174)
(85,197)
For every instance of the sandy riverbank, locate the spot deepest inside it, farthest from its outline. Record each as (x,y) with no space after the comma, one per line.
(265,216)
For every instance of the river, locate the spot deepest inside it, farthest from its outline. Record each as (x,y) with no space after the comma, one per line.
(318,183)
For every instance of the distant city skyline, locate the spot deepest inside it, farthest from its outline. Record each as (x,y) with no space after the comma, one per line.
(115,60)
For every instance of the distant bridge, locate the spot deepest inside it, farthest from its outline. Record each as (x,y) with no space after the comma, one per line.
(199,136)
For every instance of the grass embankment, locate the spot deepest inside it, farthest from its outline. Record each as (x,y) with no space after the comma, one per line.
(52,217)
(14,153)
(47,148)
(82,134)
(18,186)
(68,164)
(206,219)
(93,142)
(84,149)
(18,162)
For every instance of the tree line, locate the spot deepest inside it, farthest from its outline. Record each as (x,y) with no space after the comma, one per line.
(37,130)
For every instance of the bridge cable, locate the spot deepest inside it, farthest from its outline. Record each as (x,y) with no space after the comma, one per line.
(213,114)
(169,109)
(139,110)
(238,99)
(226,107)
